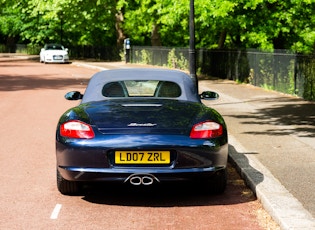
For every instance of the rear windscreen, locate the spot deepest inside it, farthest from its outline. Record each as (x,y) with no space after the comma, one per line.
(143,88)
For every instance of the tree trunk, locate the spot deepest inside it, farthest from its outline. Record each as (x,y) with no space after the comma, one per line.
(155,36)
(222,39)
(120,33)
(11,46)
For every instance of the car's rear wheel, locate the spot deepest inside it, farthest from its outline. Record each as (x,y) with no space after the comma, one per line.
(217,183)
(66,187)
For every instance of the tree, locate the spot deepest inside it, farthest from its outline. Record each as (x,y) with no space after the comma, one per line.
(90,22)
(215,20)
(263,24)
(74,22)
(10,23)
(274,24)
(140,20)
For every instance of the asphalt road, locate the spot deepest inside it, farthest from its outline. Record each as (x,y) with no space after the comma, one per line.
(31,103)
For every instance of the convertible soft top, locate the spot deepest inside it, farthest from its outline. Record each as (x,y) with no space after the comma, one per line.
(99,80)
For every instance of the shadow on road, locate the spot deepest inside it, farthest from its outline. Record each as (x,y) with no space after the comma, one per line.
(251,175)
(32,82)
(173,195)
(297,115)
(35,78)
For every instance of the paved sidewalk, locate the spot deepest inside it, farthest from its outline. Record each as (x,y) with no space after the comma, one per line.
(271,137)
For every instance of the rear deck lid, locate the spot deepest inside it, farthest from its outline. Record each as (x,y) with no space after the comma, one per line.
(143,116)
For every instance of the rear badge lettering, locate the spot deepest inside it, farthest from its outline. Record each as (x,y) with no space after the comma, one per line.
(141,125)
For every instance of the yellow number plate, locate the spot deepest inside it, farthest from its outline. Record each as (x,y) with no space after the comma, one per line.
(145,157)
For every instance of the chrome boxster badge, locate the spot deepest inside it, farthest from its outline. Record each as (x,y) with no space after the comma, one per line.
(141,125)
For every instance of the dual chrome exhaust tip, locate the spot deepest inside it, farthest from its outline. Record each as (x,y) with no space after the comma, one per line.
(141,179)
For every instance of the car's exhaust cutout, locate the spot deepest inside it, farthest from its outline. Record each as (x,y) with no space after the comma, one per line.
(141,179)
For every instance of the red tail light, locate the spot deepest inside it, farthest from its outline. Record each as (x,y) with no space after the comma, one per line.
(76,129)
(207,129)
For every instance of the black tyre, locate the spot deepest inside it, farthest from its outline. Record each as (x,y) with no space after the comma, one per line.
(217,183)
(66,187)
(220,181)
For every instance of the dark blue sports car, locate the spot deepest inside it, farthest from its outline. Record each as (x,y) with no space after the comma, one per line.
(141,127)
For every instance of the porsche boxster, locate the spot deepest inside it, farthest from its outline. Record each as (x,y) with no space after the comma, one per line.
(141,127)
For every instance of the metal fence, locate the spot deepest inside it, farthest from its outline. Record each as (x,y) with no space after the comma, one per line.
(284,72)
(280,71)
(94,52)
(19,48)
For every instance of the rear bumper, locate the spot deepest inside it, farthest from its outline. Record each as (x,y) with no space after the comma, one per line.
(90,160)
(123,174)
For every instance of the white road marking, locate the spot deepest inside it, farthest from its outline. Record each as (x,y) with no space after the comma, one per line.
(55,212)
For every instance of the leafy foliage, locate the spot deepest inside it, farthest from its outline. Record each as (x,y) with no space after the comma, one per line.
(74,22)
(263,24)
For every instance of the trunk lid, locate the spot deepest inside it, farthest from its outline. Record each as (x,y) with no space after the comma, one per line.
(143,116)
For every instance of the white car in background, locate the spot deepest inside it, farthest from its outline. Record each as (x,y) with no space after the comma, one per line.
(54,53)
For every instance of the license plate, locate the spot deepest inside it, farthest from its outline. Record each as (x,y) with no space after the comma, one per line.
(143,157)
(57,57)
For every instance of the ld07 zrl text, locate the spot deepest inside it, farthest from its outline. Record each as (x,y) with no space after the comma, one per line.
(162,157)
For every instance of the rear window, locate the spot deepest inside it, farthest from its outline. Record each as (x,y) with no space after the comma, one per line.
(143,88)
